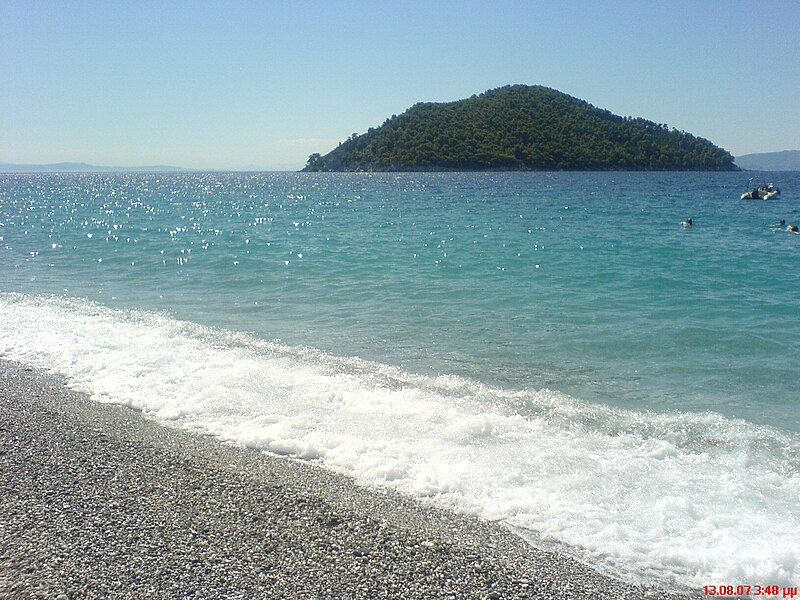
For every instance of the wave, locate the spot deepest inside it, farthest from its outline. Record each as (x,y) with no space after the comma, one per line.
(681,498)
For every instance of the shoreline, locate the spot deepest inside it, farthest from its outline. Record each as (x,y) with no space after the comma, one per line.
(99,501)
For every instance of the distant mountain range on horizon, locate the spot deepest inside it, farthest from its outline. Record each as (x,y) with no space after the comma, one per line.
(79,167)
(786,160)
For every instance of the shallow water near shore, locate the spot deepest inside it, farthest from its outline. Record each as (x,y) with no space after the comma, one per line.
(551,350)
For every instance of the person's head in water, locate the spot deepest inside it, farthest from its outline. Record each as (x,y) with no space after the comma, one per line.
(687,222)
(792,228)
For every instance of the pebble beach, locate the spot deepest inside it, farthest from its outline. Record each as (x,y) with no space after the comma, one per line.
(99,502)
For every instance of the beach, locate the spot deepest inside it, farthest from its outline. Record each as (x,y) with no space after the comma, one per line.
(99,501)
(504,345)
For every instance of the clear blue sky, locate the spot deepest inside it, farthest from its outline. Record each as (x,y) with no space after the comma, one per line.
(229,84)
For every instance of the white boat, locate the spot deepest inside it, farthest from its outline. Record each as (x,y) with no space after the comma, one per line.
(762,191)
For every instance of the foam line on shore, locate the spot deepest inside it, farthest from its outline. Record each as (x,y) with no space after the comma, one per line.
(680,498)
(101,502)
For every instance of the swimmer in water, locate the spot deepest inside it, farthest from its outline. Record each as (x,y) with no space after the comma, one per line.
(792,229)
(687,222)
(781,226)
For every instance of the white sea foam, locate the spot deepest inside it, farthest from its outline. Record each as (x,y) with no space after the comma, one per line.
(692,498)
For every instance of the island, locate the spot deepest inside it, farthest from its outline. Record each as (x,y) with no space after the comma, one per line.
(520,128)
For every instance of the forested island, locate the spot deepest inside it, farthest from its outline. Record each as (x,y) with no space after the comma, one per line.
(520,128)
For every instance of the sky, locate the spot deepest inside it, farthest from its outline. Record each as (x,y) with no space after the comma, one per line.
(263,84)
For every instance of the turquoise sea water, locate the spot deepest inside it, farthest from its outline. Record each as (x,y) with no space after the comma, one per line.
(552,350)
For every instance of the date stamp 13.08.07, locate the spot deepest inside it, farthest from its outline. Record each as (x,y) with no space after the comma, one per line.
(750,590)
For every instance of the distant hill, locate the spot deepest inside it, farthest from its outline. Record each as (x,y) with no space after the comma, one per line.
(69,167)
(787,160)
(520,128)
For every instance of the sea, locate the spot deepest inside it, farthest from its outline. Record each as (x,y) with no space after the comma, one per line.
(551,351)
